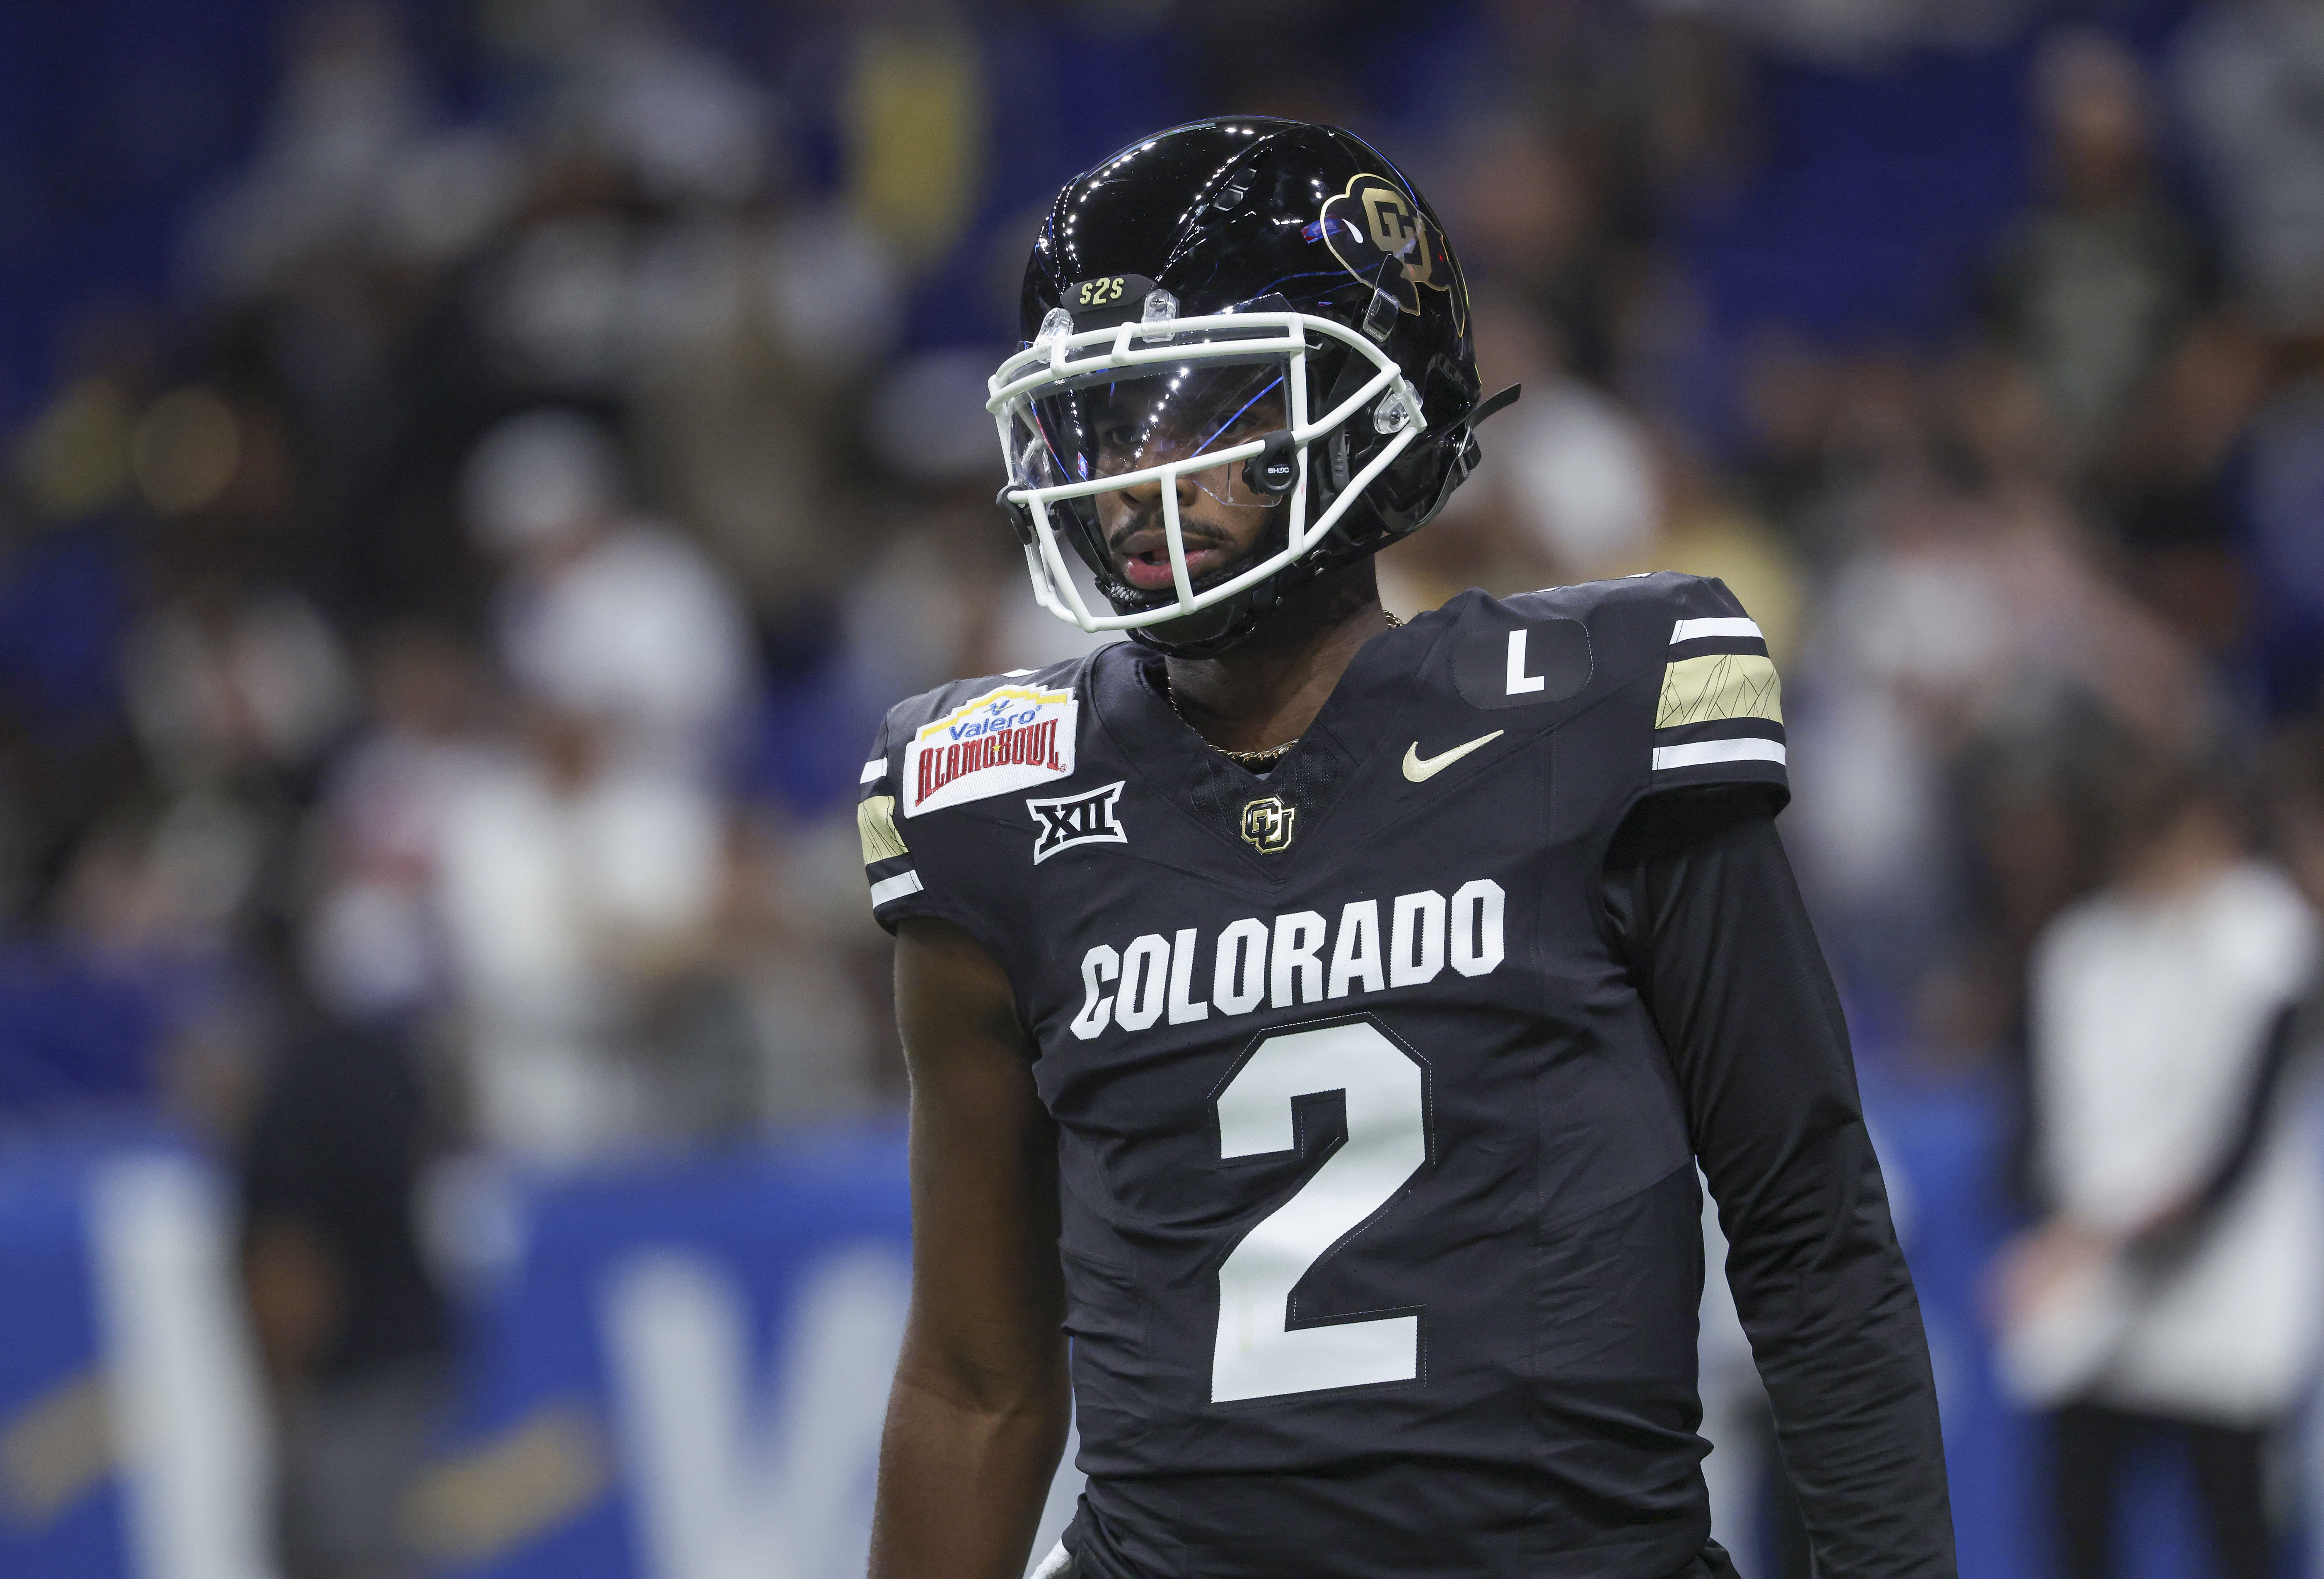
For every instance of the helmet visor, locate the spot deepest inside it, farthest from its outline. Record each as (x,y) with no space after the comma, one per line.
(1163,415)
(1140,428)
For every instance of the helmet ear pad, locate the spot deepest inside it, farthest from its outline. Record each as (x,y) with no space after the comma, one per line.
(1395,503)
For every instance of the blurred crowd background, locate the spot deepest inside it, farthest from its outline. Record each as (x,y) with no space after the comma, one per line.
(473,473)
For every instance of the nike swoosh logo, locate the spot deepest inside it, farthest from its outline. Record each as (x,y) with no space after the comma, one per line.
(1420,769)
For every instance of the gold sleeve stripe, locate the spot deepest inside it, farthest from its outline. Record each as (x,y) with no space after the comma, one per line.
(1720,684)
(875,820)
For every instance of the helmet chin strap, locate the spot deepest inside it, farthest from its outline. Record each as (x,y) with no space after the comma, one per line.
(1204,633)
(1209,632)
(1249,614)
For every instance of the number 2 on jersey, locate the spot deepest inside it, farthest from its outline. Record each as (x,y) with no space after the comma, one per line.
(1258,1353)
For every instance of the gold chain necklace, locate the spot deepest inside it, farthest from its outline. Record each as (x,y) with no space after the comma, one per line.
(1266,756)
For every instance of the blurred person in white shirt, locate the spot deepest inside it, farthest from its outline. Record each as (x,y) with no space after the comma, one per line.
(573,878)
(2295,817)
(1582,471)
(604,612)
(2175,1292)
(530,883)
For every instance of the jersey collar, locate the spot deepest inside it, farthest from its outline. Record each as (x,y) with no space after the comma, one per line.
(1357,721)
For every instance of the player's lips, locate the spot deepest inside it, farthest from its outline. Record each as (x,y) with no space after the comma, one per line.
(1145,560)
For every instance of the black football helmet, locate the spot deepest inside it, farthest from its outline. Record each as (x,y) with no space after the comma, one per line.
(1268,304)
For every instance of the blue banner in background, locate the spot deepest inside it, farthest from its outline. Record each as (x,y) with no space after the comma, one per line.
(133,1443)
(680,1371)
(60,1497)
(684,1372)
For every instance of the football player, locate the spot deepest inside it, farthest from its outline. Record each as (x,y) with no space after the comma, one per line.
(1315,1022)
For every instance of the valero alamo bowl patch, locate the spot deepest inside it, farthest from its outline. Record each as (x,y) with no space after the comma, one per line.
(1005,739)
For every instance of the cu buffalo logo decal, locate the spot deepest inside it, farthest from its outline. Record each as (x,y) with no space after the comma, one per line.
(1375,220)
(1267,824)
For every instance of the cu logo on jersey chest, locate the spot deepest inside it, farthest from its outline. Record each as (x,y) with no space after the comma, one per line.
(1267,824)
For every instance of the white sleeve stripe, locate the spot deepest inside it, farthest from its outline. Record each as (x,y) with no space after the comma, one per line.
(872,769)
(1703,752)
(895,886)
(1690,630)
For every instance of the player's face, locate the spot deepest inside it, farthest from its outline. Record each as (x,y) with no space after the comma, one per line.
(1222,518)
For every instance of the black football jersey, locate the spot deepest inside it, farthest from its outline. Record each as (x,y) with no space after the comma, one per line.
(1381,1231)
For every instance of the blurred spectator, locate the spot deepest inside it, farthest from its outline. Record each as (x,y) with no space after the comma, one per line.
(680,119)
(1533,217)
(2152,1007)
(355,164)
(2169,483)
(2250,72)
(1709,529)
(778,990)
(605,614)
(348,1321)
(1971,604)
(81,1036)
(227,681)
(128,1002)
(1786,395)
(573,877)
(374,949)
(1576,469)
(2095,283)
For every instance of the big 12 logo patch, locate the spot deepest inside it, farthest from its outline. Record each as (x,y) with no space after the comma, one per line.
(1087,818)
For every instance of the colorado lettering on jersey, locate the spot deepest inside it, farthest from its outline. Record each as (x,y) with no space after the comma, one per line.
(1006,739)
(1298,957)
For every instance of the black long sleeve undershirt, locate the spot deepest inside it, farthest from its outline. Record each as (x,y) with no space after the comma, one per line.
(1701,903)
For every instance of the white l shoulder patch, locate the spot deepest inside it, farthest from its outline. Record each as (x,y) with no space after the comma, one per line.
(1005,739)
